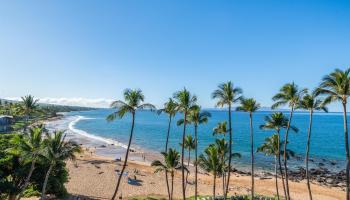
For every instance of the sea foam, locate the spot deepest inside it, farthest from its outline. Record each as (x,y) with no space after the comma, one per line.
(109,141)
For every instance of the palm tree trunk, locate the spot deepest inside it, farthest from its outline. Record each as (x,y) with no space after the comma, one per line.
(172,185)
(26,182)
(126,157)
(252,152)
(166,150)
(196,166)
(182,157)
(280,164)
(214,186)
(276,179)
(12,197)
(188,165)
(230,156)
(167,137)
(43,196)
(307,156)
(285,152)
(167,183)
(346,137)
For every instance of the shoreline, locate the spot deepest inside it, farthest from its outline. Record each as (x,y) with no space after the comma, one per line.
(112,150)
(94,177)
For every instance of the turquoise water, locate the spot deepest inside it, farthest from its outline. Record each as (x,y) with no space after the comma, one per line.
(327,143)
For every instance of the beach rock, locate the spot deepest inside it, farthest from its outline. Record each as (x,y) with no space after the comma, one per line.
(103,146)
(329,180)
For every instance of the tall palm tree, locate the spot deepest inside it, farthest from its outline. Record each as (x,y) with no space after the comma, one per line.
(170,110)
(227,95)
(289,94)
(272,147)
(28,106)
(210,161)
(311,103)
(133,101)
(57,149)
(31,146)
(336,87)
(197,117)
(171,164)
(190,144)
(276,122)
(185,102)
(250,105)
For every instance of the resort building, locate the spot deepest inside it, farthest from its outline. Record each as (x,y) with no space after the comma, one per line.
(5,123)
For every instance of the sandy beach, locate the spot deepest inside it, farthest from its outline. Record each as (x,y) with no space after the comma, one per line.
(94,177)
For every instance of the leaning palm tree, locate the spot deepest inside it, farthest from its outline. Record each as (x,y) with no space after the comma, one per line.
(336,87)
(272,147)
(227,95)
(31,146)
(185,102)
(210,161)
(28,106)
(311,103)
(276,122)
(57,149)
(170,165)
(133,102)
(190,144)
(197,117)
(289,94)
(250,105)
(170,110)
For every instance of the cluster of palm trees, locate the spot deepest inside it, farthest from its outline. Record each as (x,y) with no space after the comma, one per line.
(217,157)
(37,144)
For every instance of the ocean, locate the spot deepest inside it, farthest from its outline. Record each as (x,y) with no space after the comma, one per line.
(91,128)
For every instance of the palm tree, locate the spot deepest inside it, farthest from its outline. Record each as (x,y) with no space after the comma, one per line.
(289,95)
(133,102)
(210,161)
(171,164)
(272,147)
(57,149)
(227,94)
(276,122)
(190,144)
(185,102)
(223,149)
(336,87)
(220,128)
(311,103)
(170,110)
(250,105)
(31,147)
(28,107)
(197,117)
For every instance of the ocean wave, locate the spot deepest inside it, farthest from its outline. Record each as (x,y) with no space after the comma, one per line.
(88,135)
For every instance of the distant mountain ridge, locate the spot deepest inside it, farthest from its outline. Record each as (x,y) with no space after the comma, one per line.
(59,108)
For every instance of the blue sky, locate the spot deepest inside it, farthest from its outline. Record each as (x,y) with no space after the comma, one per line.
(88,50)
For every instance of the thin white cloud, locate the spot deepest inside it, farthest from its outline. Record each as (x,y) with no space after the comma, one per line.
(86,102)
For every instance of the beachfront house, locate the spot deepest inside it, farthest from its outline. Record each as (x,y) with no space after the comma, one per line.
(5,123)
